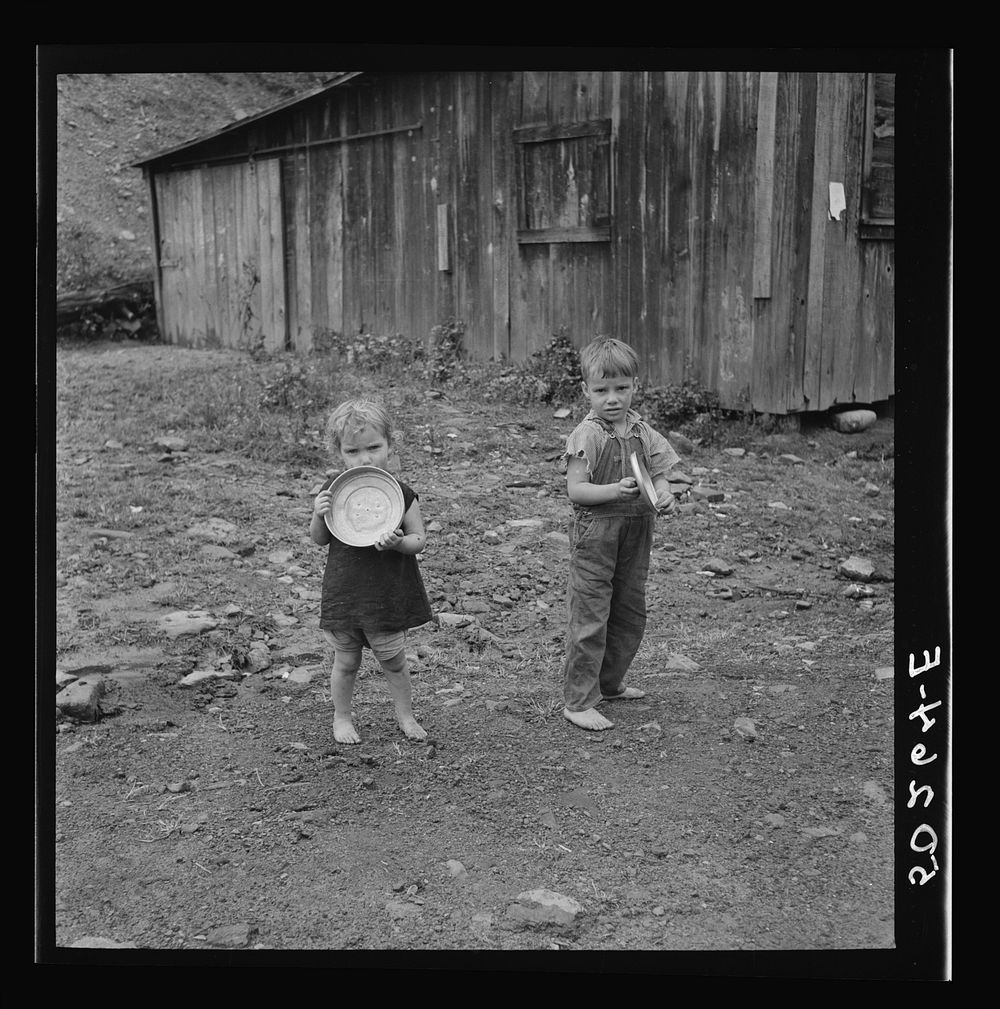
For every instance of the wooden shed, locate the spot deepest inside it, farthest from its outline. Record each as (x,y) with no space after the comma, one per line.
(735,227)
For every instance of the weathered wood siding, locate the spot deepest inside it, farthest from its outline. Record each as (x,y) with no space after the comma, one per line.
(687,213)
(220,256)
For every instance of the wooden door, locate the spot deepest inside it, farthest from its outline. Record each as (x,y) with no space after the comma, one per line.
(221,261)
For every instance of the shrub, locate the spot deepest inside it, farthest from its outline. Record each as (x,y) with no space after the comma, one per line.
(446,351)
(556,367)
(671,406)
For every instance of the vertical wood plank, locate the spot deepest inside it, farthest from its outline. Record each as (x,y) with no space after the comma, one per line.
(229,175)
(165,211)
(187,270)
(841,325)
(819,207)
(676,200)
(301,327)
(199,272)
(735,245)
(320,248)
(213,313)
(764,184)
(504,244)
(534,98)
(253,275)
(774,318)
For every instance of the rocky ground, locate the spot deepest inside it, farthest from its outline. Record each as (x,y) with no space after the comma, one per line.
(201,803)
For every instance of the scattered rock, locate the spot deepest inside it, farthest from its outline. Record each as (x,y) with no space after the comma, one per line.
(280,556)
(455,868)
(454,619)
(544,907)
(858,591)
(681,442)
(791,460)
(859,837)
(858,569)
(215,529)
(779,506)
(736,453)
(562,413)
(774,820)
(884,673)
(434,527)
(200,675)
(872,490)
(802,604)
(217,552)
(700,493)
(98,942)
(231,936)
(258,658)
(718,566)
(184,622)
(171,444)
(874,791)
(852,421)
(525,523)
(677,661)
(817,833)
(81,700)
(744,727)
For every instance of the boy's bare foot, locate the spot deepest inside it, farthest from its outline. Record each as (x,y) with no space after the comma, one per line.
(412,728)
(589,719)
(344,731)
(628,694)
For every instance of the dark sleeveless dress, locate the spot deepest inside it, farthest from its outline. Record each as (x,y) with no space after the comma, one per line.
(373,590)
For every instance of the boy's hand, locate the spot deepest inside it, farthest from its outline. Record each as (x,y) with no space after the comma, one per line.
(666,502)
(389,541)
(628,489)
(321,506)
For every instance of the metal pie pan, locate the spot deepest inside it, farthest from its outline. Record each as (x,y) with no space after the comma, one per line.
(642,478)
(365,503)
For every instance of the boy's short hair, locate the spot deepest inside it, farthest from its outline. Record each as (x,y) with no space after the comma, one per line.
(355,415)
(607,357)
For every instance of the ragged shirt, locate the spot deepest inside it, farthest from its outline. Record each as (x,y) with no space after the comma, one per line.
(590,438)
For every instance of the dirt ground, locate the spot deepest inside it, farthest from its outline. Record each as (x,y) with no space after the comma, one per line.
(744,804)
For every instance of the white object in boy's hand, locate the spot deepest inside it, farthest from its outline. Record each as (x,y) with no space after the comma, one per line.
(642,478)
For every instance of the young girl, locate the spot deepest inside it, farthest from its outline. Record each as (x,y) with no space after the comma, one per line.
(371,595)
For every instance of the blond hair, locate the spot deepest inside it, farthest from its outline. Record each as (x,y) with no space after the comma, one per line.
(354,416)
(607,357)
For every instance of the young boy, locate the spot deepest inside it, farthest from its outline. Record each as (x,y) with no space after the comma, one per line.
(612,532)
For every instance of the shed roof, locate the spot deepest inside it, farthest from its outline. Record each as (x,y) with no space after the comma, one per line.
(241,123)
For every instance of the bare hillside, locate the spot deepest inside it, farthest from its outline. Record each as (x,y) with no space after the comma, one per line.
(106,122)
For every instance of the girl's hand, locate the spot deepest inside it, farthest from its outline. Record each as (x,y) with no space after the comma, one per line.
(389,541)
(321,506)
(628,489)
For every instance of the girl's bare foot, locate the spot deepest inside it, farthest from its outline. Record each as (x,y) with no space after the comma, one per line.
(627,694)
(589,719)
(412,728)
(344,731)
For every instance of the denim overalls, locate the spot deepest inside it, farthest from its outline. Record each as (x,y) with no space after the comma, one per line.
(606,596)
